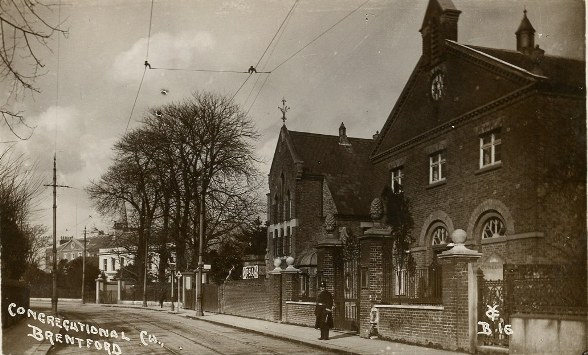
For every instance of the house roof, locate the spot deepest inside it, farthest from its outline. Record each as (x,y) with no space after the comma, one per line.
(559,73)
(349,174)
(475,79)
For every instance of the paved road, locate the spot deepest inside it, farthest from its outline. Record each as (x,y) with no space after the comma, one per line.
(152,332)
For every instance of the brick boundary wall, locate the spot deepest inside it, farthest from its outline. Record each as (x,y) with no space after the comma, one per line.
(247,298)
(412,324)
(300,313)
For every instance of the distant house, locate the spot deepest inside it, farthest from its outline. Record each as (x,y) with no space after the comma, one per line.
(68,249)
(112,259)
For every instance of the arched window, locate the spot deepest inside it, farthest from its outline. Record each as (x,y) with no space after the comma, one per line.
(275,209)
(440,235)
(493,227)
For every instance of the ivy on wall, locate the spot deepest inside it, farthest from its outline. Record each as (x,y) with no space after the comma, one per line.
(398,216)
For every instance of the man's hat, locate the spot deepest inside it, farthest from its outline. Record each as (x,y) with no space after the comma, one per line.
(323,284)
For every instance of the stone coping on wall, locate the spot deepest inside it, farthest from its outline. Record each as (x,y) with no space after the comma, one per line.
(508,238)
(411,306)
(301,303)
(568,317)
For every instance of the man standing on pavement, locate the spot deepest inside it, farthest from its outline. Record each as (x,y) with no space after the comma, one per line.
(324,311)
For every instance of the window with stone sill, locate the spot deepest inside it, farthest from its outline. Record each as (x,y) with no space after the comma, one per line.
(437,167)
(493,227)
(490,153)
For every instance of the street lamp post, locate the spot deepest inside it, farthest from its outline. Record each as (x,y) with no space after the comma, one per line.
(198,307)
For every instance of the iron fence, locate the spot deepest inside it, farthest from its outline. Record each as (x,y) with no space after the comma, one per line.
(417,286)
(546,289)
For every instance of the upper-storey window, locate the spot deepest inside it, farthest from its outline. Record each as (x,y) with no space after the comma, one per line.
(437,167)
(490,148)
(396,176)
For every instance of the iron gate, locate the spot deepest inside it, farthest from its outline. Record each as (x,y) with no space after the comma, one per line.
(493,312)
(350,284)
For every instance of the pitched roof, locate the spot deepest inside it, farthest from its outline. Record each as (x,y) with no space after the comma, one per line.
(525,25)
(561,74)
(347,170)
(475,78)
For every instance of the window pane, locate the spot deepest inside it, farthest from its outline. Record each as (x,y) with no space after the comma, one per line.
(486,159)
(496,135)
(497,155)
(486,139)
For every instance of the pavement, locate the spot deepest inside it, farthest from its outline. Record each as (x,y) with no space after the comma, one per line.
(339,342)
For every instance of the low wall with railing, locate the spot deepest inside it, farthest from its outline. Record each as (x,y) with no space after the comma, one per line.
(300,313)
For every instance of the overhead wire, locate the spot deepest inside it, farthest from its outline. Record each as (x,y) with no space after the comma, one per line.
(266,61)
(265,51)
(278,31)
(144,69)
(320,35)
(149,35)
(208,70)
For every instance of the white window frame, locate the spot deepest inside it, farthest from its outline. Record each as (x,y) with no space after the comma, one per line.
(396,175)
(437,162)
(491,145)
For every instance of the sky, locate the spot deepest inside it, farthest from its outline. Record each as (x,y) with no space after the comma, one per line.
(353,73)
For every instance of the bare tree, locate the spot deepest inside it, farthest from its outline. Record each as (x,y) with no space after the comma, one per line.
(19,190)
(23,30)
(198,148)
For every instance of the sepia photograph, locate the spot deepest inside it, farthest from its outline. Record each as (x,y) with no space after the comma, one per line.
(293,177)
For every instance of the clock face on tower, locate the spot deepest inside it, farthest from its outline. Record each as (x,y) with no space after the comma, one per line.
(437,86)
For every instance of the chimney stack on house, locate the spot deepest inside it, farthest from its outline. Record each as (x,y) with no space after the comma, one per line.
(343,136)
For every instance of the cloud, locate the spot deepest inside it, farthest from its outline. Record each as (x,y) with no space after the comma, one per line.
(165,51)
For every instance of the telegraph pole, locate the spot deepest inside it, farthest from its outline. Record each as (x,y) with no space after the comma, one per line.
(84,268)
(199,311)
(55,186)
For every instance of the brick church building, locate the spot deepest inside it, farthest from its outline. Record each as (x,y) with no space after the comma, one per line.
(316,179)
(486,144)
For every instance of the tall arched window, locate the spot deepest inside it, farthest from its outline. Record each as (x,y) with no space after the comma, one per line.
(439,234)
(288,205)
(275,208)
(283,197)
